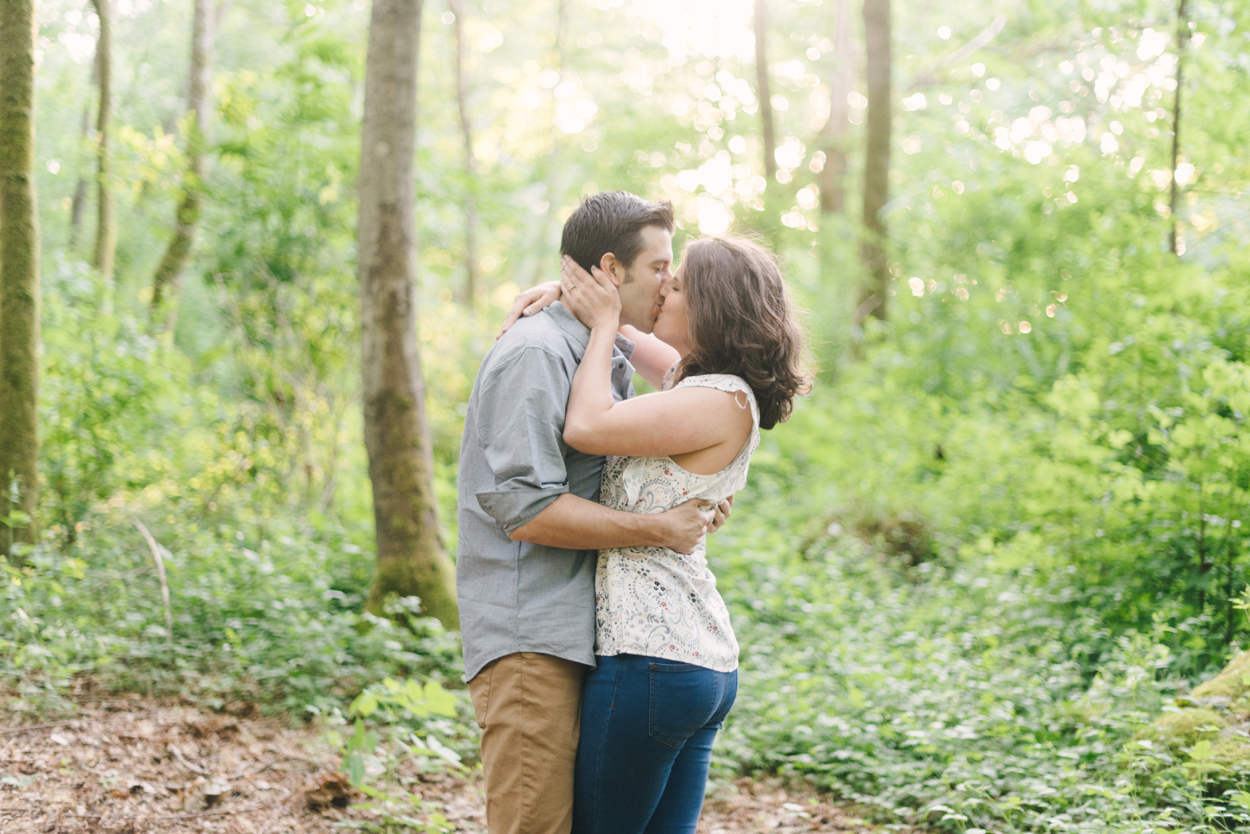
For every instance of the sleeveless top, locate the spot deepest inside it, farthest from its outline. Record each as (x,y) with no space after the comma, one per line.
(654,601)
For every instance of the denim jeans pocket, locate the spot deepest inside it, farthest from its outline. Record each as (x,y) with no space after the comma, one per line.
(684,697)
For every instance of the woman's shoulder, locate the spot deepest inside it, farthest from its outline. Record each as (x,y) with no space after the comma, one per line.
(722,382)
(729,383)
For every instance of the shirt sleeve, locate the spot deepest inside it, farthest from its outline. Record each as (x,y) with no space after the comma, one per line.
(520,424)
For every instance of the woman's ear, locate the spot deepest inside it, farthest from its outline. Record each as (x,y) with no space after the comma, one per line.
(610,265)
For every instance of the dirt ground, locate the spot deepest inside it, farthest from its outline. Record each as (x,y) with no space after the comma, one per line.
(131,765)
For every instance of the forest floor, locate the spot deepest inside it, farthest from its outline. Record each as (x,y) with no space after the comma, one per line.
(132,765)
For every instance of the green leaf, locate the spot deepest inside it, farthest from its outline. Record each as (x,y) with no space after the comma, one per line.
(365,704)
(354,767)
(439,700)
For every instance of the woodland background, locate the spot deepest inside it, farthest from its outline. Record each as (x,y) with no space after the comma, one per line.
(976,577)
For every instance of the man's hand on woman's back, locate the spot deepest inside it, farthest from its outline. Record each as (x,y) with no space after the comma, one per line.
(685,525)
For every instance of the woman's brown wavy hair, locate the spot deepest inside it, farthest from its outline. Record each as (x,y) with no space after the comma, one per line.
(741,322)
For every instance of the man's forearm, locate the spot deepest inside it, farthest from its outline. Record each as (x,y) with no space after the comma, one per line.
(577,524)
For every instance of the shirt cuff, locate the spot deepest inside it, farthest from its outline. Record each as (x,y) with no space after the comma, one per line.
(514,508)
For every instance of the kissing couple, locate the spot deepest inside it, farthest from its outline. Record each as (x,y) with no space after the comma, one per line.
(599,655)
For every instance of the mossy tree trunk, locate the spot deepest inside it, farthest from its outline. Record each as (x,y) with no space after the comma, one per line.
(411,558)
(470,162)
(106,221)
(166,281)
(19,275)
(875,295)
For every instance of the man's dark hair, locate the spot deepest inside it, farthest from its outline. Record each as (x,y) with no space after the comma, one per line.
(612,221)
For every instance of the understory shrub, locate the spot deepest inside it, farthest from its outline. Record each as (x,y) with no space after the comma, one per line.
(269,623)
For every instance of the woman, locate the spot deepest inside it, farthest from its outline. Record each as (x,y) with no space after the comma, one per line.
(666,652)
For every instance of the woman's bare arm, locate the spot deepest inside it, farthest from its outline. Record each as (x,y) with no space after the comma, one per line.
(652,357)
(653,425)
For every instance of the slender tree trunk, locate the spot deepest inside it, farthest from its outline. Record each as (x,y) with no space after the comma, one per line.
(835,135)
(1182,38)
(470,162)
(765,96)
(876,159)
(842,285)
(551,224)
(79,199)
(166,281)
(106,226)
(80,190)
(19,275)
(411,558)
(766,221)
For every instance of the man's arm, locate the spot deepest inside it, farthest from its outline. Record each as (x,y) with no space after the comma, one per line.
(577,524)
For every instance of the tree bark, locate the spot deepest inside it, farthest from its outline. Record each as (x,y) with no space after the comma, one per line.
(411,558)
(835,134)
(470,162)
(106,225)
(166,281)
(873,301)
(19,275)
(1182,38)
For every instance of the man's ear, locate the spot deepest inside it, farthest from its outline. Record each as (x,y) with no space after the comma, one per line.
(609,264)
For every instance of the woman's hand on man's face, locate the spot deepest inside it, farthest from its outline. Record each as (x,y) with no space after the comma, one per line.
(592,297)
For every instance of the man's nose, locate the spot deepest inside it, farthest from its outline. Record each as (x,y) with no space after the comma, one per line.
(666,283)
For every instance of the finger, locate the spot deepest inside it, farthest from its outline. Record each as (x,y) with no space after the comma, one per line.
(532,309)
(508,321)
(602,277)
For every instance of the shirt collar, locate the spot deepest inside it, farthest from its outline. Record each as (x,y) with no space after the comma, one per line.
(581,333)
(569,324)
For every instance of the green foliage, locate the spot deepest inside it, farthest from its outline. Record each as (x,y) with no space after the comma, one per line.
(956,695)
(273,623)
(414,718)
(974,578)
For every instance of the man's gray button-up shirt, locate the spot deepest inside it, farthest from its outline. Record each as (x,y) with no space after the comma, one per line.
(517,596)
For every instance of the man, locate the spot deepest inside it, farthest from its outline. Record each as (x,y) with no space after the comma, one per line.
(530,522)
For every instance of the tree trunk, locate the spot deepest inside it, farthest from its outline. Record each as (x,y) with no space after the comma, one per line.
(1182,38)
(544,258)
(766,101)
(411,559)
(19,275)
(766,222)
(80,189)
(835,135)
(873,300)
(106,226)
(470,163)
(168,275)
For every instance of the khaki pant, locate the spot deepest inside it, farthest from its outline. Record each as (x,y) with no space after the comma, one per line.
(529,708)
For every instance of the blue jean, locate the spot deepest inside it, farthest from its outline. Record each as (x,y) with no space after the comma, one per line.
(647,731)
